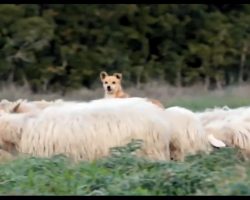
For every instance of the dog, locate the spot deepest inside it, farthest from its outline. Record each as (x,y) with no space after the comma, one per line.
(112,85)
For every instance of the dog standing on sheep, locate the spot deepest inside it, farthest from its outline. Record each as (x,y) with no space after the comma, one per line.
(112,85)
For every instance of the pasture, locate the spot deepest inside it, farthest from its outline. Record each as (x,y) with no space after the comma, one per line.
(223,172)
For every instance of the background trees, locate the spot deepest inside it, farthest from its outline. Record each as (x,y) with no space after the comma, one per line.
(51,47)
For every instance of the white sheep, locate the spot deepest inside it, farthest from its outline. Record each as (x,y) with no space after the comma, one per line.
(233,130)
(86,131)
(23,105)
(188,136)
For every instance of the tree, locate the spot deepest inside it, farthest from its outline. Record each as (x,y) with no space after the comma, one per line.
(211,47)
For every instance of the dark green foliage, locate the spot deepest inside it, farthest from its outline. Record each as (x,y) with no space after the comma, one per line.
(56,47)
(223,172)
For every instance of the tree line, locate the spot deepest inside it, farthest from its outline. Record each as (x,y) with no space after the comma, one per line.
(59,47)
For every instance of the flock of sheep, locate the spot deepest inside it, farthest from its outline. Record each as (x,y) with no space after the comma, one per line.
(87,130)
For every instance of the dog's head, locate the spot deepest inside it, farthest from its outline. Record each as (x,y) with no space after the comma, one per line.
(111,83)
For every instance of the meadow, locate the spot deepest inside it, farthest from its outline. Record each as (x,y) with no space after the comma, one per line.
(223,172)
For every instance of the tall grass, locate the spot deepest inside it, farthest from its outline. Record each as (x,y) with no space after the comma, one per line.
(192,97)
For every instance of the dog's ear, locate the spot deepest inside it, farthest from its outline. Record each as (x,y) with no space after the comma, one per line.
(103,75)
(118,75)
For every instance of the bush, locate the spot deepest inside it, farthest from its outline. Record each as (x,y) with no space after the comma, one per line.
(223,172)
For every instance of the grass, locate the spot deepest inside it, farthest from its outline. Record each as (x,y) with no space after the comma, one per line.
(194,98)
(223,172)
(197,103)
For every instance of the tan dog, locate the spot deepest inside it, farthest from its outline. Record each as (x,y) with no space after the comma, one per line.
(112,85)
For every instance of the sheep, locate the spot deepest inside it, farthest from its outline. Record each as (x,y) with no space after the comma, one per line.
(9,106)
(234,130)
(22,106)
(213,114)
(230,126)
(217,114)
(87,131)
(5,156)
(188,136)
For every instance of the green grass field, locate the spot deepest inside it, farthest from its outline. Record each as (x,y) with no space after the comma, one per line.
(223,172)
(210,101)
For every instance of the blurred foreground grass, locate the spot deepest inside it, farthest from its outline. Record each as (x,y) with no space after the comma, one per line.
(223,172)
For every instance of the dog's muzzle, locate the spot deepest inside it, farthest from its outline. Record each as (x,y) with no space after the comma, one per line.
(109,88)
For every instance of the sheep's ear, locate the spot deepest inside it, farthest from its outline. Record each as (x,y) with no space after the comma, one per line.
(5,104)
(118,75)
(103,75)
(215,142)
(15,108)
(5,101)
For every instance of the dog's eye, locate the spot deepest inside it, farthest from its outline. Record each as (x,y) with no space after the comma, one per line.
(113,82)
(106,82)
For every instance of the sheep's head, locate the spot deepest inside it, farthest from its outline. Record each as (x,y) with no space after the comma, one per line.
(11,107)
(10,131)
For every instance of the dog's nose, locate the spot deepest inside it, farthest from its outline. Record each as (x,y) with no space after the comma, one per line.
(109,88)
